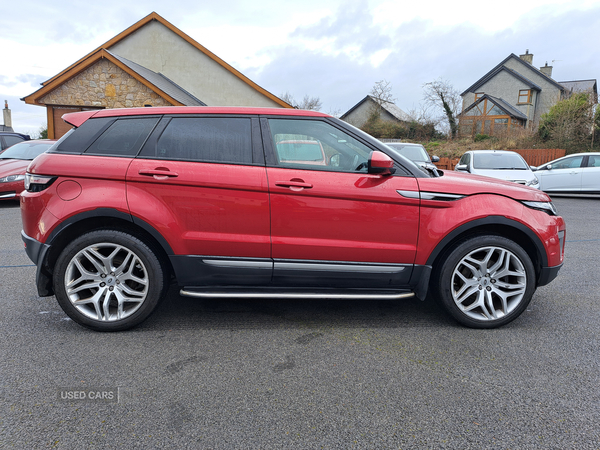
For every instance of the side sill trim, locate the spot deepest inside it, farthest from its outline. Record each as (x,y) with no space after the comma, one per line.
(314,294)
(340,267)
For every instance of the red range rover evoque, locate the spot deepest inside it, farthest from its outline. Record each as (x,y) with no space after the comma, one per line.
(225,201)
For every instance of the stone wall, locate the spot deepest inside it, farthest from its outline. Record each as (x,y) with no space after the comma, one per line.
(103,84)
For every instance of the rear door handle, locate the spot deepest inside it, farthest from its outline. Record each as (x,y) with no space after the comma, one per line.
(158,173)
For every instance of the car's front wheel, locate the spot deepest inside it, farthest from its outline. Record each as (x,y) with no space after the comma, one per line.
(486,281)
(109,280)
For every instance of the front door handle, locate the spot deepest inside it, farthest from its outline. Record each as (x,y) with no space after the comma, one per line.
(295,184)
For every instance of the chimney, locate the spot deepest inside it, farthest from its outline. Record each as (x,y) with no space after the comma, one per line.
(7,116)
(527,57)
(546,70)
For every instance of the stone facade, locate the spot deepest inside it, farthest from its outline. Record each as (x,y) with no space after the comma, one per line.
(106,85)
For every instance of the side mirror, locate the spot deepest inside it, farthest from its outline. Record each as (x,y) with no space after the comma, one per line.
(435,159)
(548,167)
(462,167)
(380,164)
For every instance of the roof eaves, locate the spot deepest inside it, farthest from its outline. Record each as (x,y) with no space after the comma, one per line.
(154,16)
(488,75)
(500,66)
(87,62)
(123,34)
(355,106)
(501,103)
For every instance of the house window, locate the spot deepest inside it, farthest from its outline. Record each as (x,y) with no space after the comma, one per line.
(525,96)
(478,95)
(488,118)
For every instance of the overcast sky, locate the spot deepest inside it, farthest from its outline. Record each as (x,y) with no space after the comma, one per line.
(334,50)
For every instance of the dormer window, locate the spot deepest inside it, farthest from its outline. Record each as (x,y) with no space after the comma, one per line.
(524,96)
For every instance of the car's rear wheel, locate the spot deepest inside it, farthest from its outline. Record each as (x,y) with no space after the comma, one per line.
(486,281)
(109,280)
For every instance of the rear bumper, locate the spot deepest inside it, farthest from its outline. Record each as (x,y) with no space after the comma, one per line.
(37,253)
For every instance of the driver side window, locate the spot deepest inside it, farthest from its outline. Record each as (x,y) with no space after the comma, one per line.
(316,145)
(568,163)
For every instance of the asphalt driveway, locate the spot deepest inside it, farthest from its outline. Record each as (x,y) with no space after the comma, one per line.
(305,374)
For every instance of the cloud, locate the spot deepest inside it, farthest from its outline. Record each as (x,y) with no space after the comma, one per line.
(341,71)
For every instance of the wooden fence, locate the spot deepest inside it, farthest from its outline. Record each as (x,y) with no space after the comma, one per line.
(534,157)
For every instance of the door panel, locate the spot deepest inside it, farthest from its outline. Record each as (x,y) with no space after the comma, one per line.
(342,216)
(565,175)
(590,175)
(202,208)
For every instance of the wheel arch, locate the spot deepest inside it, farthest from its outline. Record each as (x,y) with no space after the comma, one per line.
(97,219)
(496,225)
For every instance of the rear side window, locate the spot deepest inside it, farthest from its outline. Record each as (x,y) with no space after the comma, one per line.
(12,140)
(206,139)
(80,139)
(124,137)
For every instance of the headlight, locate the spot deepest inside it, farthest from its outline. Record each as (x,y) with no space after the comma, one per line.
(533,182)
(547,207)
(11,178)
(37,183)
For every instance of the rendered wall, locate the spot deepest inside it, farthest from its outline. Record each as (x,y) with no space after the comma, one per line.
(507,87)
(156,47)
(361,114)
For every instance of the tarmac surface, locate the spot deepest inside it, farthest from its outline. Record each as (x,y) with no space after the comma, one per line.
(268,374)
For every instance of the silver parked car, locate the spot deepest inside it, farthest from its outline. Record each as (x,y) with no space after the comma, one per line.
(572,174)
(416,153)
(501,164)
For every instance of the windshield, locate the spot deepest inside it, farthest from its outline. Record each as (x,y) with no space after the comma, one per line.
(412,152)
(499,161)
(26,150)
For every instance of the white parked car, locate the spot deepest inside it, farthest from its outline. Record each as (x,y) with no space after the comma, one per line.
(501,164)
(572,174)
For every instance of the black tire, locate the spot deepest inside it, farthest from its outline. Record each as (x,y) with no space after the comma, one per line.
(109,280)
(478,273)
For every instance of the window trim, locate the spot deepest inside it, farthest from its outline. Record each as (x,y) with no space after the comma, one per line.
(524,93)
(271,158)
(258,158)
(115,122)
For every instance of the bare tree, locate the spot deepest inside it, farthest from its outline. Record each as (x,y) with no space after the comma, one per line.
(442,95)
(309,103)
(423,114)
(382,93)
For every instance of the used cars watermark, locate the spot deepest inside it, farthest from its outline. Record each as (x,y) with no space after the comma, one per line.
(102,395)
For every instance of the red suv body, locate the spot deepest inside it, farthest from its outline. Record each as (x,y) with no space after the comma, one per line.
(132,197)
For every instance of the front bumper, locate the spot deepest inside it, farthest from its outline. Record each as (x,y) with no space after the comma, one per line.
(547,274)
